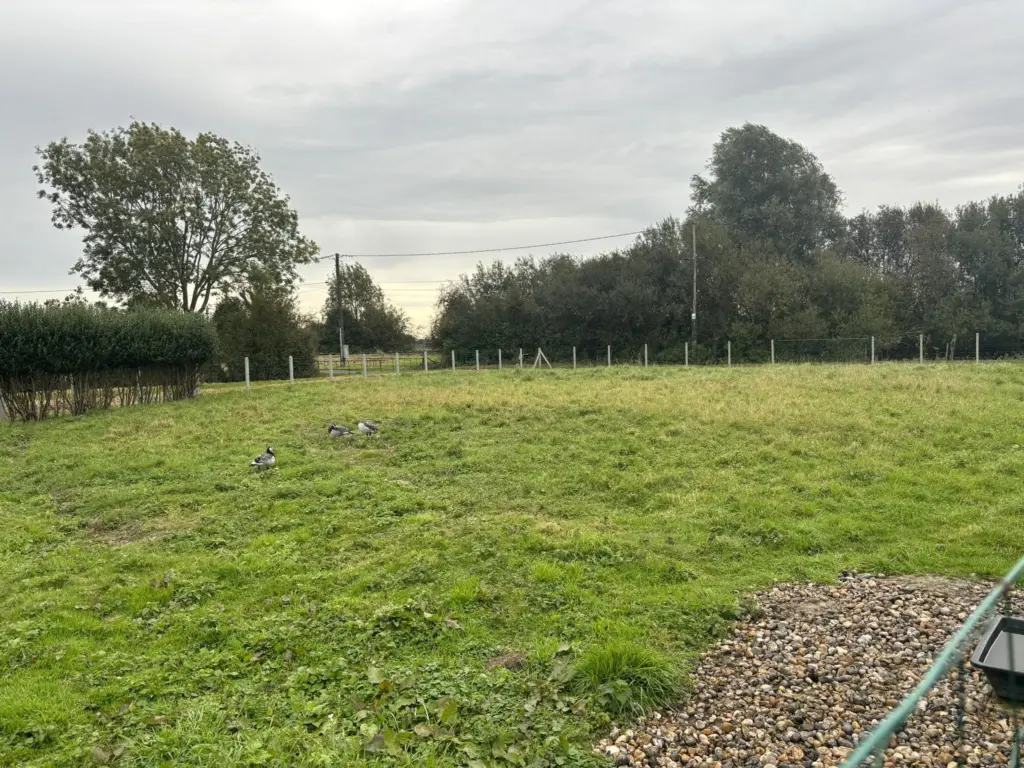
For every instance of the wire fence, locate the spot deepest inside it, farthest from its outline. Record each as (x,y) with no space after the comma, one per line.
(996,636)
(853,350)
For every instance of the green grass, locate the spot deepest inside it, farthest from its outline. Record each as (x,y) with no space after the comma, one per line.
(162,605)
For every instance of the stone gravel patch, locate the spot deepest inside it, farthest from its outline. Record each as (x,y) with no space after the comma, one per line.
(816,667)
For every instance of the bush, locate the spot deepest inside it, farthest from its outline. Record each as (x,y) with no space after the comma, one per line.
(267,329)
(75,357)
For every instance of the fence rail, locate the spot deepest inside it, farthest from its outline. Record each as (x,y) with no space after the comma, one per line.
(872,749)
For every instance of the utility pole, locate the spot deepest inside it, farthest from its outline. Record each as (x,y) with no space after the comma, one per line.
(341,308)
(693,312)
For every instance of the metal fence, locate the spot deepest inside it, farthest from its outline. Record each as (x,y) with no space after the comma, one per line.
(726,353)
(987,632)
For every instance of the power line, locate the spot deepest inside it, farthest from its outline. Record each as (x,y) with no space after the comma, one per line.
(411,256)
(320,282)
(481,250)
(48,290)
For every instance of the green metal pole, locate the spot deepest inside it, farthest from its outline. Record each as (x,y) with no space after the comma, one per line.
(879,737)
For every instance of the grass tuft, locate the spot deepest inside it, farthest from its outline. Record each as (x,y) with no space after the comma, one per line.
(625,678)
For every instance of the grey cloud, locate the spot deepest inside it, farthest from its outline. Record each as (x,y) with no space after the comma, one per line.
(524,121)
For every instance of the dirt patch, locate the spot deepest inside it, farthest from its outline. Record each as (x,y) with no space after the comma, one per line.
(131,532)
(507,661)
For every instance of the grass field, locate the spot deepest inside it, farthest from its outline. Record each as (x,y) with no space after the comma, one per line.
(361,603)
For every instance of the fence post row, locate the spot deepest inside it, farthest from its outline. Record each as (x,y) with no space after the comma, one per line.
(247,373)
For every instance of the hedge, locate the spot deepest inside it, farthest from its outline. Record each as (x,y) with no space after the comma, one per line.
(75,357)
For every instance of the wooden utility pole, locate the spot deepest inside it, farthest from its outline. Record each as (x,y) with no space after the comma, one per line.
(341,308)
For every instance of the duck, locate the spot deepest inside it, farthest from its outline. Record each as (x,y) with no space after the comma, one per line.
(265,460)
(338,431)
(368,428)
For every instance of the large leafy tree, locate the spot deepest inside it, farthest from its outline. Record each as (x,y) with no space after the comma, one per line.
(170,221)
(766,189)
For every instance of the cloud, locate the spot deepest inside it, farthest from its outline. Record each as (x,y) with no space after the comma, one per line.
(429,125)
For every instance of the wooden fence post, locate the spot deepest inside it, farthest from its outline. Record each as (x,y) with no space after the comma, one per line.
(247,373)
(728,352)
(398,366)
(609,355)
(574,358)
(645,355)
(425,368)
(773,351)
(686,353)
(499,359)
(291,370)
(478,360)
(977,347)
(453,359)
(364,365)
(920,349)
(872,349)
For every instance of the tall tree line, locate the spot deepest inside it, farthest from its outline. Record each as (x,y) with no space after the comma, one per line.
(776,259)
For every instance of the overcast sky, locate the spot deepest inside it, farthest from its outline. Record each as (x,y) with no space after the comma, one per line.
(426,125)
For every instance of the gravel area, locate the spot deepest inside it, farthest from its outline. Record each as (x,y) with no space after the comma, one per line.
(804,678)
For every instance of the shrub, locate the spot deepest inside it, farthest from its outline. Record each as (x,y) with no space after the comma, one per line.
(267,329)
(75,357)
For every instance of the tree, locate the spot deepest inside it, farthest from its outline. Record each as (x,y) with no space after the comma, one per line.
(764,188)
(170,221)
(264,325)
(371,321)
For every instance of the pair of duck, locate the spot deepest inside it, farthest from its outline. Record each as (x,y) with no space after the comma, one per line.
(368,428)
(269,459)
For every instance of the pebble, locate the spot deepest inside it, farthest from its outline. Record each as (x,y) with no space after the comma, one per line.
(800,685)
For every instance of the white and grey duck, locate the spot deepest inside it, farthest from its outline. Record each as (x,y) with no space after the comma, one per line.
(265,460)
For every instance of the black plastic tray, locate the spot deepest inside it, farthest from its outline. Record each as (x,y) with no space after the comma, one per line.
(993,656)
